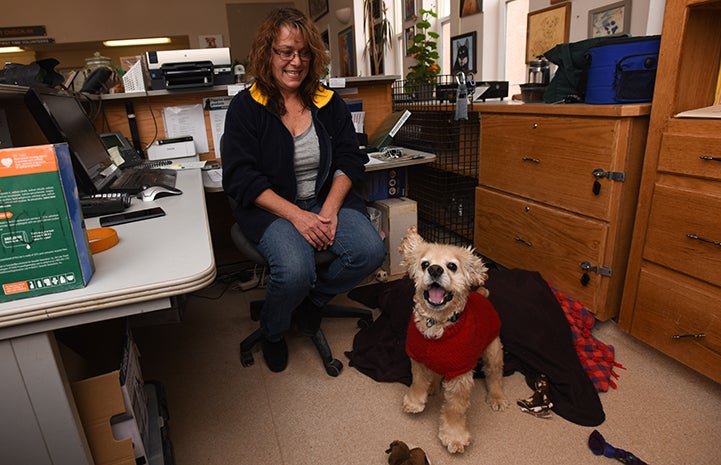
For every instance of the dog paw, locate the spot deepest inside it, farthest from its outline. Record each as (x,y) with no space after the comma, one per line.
(455,442)
(497,403)
(412,407)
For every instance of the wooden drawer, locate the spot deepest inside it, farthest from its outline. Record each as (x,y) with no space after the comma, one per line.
(691,155)
(677,213)
(669,304)
(518,233)
(550,159)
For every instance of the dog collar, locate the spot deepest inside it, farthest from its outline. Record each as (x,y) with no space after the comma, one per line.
(430,322)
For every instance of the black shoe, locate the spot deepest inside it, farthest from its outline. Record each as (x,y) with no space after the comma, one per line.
(275,355)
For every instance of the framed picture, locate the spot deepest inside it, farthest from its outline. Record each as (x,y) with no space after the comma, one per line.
(409,10)
(409,34)
(325,36)
(317,8)
(546,28)
(210,41)
(347,52)
(610,20)
(463,53)
(471,7)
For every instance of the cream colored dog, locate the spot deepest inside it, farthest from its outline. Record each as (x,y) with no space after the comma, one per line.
(451,328)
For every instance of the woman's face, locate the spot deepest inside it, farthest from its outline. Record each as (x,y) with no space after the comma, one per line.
(291,59)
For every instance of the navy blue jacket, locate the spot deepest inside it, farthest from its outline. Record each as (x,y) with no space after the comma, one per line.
(257,154)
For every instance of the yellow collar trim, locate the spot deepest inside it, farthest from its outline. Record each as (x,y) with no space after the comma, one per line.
(321,97)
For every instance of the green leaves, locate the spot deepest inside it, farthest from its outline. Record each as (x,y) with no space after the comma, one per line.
(425,50)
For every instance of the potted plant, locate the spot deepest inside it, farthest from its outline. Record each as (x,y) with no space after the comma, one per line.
(378,33)
(421,79)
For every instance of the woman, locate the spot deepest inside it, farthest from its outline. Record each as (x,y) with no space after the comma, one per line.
(291,163)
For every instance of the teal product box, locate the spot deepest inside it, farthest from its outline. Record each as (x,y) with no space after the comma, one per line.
(43,242)
(386,184)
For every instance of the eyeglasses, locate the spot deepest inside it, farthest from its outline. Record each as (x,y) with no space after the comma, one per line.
(288,54)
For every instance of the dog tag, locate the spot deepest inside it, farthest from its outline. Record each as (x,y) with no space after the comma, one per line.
(585,279)
(596,187)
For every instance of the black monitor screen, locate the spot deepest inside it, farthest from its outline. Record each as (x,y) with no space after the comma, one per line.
(62,119)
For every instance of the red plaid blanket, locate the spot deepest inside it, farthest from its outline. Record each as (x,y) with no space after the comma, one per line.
(596,357)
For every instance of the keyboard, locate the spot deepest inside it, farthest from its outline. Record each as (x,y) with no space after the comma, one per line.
(134,180)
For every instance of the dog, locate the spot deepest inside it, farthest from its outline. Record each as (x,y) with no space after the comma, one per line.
(461,62)
(452,326)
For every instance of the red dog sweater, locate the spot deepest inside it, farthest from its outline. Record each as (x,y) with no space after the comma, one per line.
(462,343)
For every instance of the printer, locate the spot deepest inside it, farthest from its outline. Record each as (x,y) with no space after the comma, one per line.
(177,69)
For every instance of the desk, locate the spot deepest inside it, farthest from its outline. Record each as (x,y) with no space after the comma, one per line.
(155,260)
(213,179)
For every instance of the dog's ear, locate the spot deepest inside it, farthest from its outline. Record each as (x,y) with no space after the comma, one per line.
(408,245)
(475,268)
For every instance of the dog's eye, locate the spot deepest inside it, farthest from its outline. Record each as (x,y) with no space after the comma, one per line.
(452,266)
(425,264)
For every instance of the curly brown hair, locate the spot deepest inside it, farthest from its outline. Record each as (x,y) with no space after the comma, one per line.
(261,55)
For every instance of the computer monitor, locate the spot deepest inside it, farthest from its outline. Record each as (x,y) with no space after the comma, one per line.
(63,119)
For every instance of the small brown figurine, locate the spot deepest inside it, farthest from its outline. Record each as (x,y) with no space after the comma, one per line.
(400,454)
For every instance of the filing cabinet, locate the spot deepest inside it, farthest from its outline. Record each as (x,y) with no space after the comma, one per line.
(672,297)
(557,191)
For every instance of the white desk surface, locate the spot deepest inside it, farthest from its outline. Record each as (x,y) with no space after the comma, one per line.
(155,259)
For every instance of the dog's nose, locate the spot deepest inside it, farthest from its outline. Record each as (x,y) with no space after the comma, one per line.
(435,271)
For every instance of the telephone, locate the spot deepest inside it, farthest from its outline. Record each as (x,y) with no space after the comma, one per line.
(121,150)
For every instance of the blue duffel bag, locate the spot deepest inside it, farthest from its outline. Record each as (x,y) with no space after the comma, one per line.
(623,71)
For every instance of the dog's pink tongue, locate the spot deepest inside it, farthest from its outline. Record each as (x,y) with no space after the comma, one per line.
(436,295)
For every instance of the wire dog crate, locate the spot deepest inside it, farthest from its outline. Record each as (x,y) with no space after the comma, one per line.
(445,188)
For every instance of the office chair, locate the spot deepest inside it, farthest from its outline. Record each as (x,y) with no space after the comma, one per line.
(332,366)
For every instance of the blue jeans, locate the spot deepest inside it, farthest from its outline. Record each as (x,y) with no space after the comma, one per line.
(293,275)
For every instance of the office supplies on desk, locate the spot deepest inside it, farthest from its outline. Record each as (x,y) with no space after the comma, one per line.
(187,165)
(121,151)
(104,204)
(129,217)
(156,192)
(383,136)
(179,147)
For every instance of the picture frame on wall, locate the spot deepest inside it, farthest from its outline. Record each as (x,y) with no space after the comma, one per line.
(409,10)
(610,20)
(347,52)
(317,8)
(408,36)
(470,7)
(546,28)
(463,53)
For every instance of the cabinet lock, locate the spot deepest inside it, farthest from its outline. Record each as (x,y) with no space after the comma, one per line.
(600,173)
(588,266)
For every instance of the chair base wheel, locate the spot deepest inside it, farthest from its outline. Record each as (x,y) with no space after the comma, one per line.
(246,359)
(334,367)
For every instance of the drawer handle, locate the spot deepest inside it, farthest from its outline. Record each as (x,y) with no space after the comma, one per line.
(522,241)
(710,158)
(688,336)
(531,159)
(703,239)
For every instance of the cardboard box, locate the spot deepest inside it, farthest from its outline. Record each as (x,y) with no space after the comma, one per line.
(397,216)
(114,413)
(43,243)
(386,184)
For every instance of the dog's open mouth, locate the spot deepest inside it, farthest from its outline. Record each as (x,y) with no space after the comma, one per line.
(436,295)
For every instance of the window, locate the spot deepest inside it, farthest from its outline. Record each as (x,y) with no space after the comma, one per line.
(514,44)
